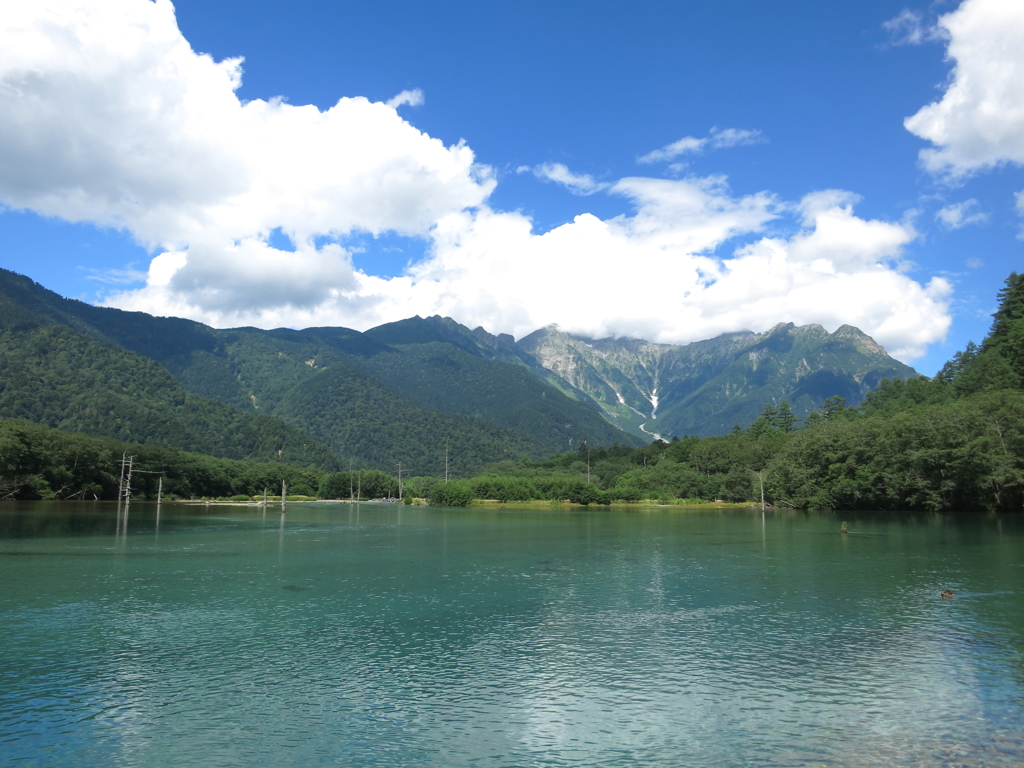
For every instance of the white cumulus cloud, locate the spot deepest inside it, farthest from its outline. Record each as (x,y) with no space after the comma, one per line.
(108,116)
(655,274)
(979,121)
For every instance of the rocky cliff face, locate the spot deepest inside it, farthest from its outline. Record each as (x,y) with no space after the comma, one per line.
(708,386)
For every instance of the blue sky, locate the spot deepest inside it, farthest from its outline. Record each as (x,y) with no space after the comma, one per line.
(538,92)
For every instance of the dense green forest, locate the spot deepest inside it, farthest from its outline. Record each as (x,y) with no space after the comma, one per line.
(326,397)
(966,454)
(37,462)
(57,377)
(952,442)
(340,407)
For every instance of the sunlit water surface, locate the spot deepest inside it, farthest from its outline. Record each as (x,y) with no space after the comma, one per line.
(384,635)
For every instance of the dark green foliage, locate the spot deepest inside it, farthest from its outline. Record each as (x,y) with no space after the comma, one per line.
(444,377)
(350,411)
(952,443)
(504,489)
(420,486)
(986,368)
(955,442)
(669,479)
(392,403)
(1006,339)
(41,463)
(997,364)
(835,407)
(416,330)
(895,395)
(963,455)
(766,422)
(336,486)
(785,420)
(154,337)
(453,493)
(55,376)
(358,484)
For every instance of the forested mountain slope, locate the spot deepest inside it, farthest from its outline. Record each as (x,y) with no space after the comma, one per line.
(52,375)
(39,462)
(548,392)
(951,443)
(374,404)
(442,364)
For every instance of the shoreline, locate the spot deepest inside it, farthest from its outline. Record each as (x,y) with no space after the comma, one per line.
(484,504)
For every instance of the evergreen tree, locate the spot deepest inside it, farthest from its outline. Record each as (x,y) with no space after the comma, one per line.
(1007,334)
(765,422)
(784,418)
(834,406)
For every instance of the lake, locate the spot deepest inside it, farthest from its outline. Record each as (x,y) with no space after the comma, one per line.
(378,635)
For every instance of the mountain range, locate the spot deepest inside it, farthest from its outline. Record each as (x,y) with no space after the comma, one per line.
(707,387)
(428,393)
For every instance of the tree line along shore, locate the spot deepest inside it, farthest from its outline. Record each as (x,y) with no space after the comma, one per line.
(954,442)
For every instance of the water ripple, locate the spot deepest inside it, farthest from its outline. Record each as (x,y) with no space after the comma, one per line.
(526,639)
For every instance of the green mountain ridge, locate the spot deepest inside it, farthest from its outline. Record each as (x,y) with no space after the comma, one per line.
(55,376)
(372,404)
(951,443)
(401,392)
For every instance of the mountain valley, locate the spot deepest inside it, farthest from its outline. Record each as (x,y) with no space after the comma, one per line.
(404,391)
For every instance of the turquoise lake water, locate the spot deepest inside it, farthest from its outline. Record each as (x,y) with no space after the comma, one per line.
(377,635)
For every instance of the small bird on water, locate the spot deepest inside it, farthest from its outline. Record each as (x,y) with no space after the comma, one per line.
(946,593)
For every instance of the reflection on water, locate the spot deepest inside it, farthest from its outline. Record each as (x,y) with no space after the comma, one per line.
(358,634)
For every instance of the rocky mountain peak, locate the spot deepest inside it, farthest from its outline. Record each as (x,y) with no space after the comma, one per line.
(861,340)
